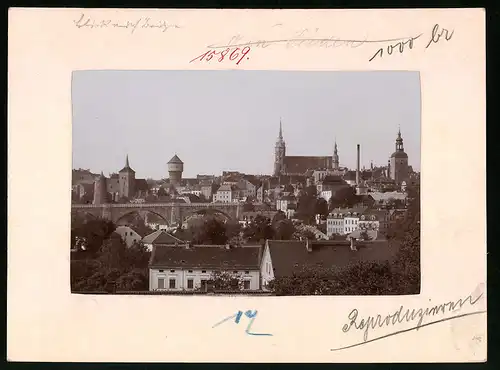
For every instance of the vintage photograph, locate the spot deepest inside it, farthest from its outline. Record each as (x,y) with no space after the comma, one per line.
(231,182)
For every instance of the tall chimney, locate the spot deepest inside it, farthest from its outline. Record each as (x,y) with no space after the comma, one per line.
(357,165)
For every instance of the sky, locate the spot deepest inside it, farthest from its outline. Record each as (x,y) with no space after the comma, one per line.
(229,120)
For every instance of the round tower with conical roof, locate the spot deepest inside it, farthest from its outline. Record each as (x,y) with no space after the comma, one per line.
(100,192)
(175,168)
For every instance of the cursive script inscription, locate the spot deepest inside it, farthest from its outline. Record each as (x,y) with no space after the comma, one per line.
(438,33)
(402,315)
(237,317)
(233,54)
(132,25)
(400,47)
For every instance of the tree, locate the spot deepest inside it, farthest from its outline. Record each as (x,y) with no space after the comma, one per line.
(306,205)
(321,207)
(248,206)
(344,198)
(161,192)
(90,234)
(259,229)
(113,253)
(133,280)
(284,230)
(361,278)
(210,231)
(223,280)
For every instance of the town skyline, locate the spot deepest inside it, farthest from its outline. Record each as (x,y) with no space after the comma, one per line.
(241,141)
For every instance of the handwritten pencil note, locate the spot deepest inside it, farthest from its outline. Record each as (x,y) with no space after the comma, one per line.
(237,318)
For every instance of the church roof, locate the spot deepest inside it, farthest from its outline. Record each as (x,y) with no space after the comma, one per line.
(176,159)
(300,164)
(127,167)
(399,154)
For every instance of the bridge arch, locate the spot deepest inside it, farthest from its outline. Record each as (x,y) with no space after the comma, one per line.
(82,214)
(142,214)
(208,212)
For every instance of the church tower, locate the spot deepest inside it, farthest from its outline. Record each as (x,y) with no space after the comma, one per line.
(335,159)
(279,154)
(127,181)
(100,190)
(399,162)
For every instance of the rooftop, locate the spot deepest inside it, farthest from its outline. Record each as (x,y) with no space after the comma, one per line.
(290,256)
(175,159)
(215,257)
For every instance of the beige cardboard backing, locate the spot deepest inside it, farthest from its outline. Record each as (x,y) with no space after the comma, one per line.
(47,323)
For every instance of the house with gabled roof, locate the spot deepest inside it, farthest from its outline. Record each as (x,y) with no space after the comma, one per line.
(188,267)
(160,237)
(283,258)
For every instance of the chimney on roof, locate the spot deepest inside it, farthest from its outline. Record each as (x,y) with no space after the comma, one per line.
(357,164)
(353,246)
(308,246)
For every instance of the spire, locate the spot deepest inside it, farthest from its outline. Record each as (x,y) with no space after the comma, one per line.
(281,131)
(335,149)
(126,162)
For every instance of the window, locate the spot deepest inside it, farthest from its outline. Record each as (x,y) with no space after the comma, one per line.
(171,284)
(203,284)
(247,272)
(161,283)
(203,271)
(172,270)
(246,284)
(235,272)
(190,271)
(160,270)
(190,284)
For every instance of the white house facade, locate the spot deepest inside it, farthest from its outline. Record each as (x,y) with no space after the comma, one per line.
(187,267)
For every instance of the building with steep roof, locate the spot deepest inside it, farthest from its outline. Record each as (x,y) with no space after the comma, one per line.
(283,258)
(191,267)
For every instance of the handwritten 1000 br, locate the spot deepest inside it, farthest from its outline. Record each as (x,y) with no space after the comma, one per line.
(232,54)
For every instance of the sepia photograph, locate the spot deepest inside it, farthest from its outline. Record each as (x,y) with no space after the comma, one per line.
(266,183)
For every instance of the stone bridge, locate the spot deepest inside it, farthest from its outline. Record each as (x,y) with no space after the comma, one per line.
(172,213)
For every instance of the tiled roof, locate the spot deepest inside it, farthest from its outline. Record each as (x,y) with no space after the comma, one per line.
(332,179)
(300,164)
(211,258)
(161,237)
(289,256)
(387,195)
(227,187)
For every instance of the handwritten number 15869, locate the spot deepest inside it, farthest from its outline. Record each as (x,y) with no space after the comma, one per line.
(233,54)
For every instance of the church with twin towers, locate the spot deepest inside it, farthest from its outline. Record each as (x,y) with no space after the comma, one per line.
(397,168)
(299,165)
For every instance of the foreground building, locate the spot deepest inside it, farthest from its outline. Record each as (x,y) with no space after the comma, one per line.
(283,258)
(188,268)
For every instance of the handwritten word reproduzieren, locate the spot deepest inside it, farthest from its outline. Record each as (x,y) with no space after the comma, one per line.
(237,317)
(232,54)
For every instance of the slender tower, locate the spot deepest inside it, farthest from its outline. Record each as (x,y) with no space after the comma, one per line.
(100,192)
(279,153)
(127,180)
(399,162)
(335,159)
(357,165)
